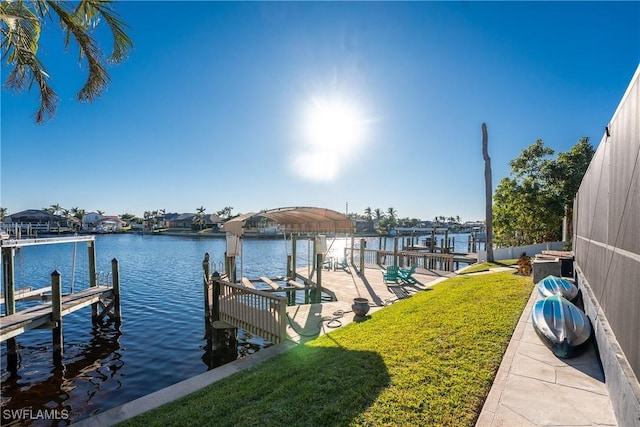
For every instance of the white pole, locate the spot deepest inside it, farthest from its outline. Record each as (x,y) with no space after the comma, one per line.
(73,265)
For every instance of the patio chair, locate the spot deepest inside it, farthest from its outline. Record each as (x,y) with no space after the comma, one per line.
(341,264)
(390,275)
(406,274)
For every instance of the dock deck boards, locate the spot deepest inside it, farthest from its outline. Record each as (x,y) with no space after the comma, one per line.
(247,283)
(38,315)
(270,282)
(305,321)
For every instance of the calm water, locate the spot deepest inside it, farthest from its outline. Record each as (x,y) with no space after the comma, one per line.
(161,339)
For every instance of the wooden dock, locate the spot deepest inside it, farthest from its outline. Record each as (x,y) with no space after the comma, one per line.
(104,299)
(40,315)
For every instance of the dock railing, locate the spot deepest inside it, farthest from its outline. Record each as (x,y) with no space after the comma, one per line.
(426,260)
(257,312)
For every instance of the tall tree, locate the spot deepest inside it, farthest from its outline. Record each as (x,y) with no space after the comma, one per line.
(21,25)
(3,213)
(530,205)
(488,190)
(199,217)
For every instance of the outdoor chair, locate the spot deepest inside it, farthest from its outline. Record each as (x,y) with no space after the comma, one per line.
(406,274)
(390,275)
(341,264)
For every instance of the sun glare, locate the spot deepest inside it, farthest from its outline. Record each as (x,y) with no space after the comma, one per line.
(334,125)
(333,130)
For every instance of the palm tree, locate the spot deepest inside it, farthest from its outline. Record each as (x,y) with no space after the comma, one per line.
(225,212)
(199,218)
(368,216)
(3,213)
(378,214)
(392,213)
(78,213)
(55,209)
(22,23)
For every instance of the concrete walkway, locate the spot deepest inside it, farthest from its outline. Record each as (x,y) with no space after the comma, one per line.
(308,321)
(535,388)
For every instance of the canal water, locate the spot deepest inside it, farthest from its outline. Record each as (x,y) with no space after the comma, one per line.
(161,339)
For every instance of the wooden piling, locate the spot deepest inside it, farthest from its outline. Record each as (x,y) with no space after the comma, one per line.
(363,245)
(205,282)
(115,275)
(319,261)
(294,251)
(93,276)
(215,296)
(8,256)
(56,317)
(395,251)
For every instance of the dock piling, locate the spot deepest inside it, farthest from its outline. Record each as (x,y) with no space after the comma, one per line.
(56,317)
(363,245)
(115,275)
(8,255)
(205,283)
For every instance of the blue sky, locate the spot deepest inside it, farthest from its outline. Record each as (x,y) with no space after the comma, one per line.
(235,104)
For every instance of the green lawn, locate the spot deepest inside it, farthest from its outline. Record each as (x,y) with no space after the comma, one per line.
(425,360)
(486,266)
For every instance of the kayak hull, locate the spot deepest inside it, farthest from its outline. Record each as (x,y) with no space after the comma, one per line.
(553,285)
(561,326)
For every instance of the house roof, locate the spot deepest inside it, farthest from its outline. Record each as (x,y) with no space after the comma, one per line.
(297,219)
(33,214)
(210,218)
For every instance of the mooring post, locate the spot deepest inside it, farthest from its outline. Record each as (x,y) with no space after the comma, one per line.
(215,312)
(395,251)
(352,248)
(318,277)
(93,276)
(363,245)
(205,284)
(115,274)
(8,255)
(56,317)
(294,247)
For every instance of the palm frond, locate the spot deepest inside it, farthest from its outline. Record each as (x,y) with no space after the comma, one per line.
(91,11)
(98,77)
(20,36)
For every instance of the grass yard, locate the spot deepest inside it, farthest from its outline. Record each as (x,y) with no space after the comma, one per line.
(426,360)
(486,266)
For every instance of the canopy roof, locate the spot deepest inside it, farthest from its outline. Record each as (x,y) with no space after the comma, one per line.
(297,220)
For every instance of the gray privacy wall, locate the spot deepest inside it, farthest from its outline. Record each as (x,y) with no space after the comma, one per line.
(606,243)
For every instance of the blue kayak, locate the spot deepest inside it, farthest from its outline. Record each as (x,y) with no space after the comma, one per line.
(553,285)
(561,326)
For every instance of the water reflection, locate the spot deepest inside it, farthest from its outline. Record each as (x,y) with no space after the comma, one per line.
(226,345)
(68,390)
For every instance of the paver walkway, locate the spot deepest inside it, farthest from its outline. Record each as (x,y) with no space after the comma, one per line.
(535,388)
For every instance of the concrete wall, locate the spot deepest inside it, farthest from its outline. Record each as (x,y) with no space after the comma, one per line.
(606,244)
(515,252)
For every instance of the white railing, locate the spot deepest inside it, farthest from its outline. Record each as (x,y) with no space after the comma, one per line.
(426,260)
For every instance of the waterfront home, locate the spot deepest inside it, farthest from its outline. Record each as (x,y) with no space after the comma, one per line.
(94,221)
(189,220)
(36,220)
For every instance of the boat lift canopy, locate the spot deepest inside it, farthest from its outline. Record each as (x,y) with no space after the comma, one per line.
(296,220)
